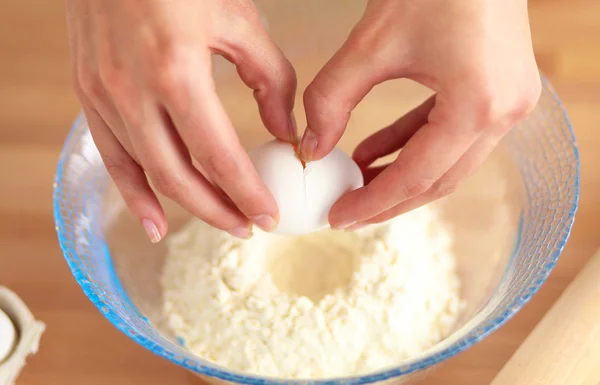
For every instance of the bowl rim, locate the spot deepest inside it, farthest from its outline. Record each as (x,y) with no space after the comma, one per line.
(406,368)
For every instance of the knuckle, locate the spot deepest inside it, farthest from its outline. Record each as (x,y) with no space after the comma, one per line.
(133,195)
(282,77)
(222,166)
(368,38)
(120,169)
(212,221)
(167,182)
(417,187)
(277,81)
(483,97)
(318,98)
(494,103)
(90,85)
(128,107)
(315,92)
(117,87)
(169,75)
(442,189)
(112,79)
(253,203)
(131,198)
(215,218)
(485,109)
(313,95)
(245,9)
(527,100)
(114,165)
(129,180)
(369,44)
(288,80)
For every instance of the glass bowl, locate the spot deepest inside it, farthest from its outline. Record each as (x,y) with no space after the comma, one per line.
(510,220)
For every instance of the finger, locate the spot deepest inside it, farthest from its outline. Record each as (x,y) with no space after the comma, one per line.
(109,114)
(166,160)
(129,178)
(393,137)
(91,92)
(336,90)
(208,134)
(371,173)
(263,67)
(428,155)
(465,167)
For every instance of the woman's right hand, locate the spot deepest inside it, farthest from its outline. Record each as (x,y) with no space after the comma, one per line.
(142,72)
(476,55)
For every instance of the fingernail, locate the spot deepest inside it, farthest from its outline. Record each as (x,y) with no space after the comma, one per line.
(342,226)
(308,146)
(356,227)
(265,222)
(241,232)
(151,230)
(293,128)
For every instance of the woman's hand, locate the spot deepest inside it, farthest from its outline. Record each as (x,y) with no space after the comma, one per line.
(478,58)
(142,71)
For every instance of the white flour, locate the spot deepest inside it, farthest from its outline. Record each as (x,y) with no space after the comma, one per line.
(321,305)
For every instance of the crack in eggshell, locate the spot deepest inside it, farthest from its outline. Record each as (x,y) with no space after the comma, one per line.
(303,194)
(297,152)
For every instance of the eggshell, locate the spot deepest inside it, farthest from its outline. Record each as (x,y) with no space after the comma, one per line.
(304,195)
(8,336)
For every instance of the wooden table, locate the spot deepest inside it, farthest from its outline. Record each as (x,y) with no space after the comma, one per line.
(80,346)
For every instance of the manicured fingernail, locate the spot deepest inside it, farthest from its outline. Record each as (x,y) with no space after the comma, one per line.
(151,230)
(342,226)
(241,232)
(265,222)
(357,226)
(293,128)
(308,146)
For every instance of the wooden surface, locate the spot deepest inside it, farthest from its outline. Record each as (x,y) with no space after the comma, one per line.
(80,346)
(564,348)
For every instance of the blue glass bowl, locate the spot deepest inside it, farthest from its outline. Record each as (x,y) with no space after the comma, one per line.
(542,149)
(503,256)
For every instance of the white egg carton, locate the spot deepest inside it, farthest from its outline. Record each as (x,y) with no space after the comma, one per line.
(29,330)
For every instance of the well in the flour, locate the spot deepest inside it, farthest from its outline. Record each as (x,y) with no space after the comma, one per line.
(326,304)
(311,265)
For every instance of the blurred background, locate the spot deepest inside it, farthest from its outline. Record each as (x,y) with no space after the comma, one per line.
(37,107)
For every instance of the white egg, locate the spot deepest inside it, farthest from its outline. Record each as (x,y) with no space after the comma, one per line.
(304,195)
(8,336)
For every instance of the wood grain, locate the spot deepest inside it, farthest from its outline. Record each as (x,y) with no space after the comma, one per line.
(564,348)
(37,107)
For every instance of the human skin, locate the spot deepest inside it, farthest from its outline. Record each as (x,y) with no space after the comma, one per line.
(476,55)
(142,71)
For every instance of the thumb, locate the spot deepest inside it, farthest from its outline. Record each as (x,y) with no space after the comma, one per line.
(336,90)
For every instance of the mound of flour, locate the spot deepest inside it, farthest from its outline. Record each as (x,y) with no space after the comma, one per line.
(320,305)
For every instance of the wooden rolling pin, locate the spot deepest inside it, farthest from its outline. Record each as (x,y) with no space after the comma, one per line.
(564,348)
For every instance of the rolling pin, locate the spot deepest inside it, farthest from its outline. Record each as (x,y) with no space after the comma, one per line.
(564,348)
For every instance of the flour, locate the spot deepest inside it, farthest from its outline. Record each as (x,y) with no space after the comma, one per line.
(320,305)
